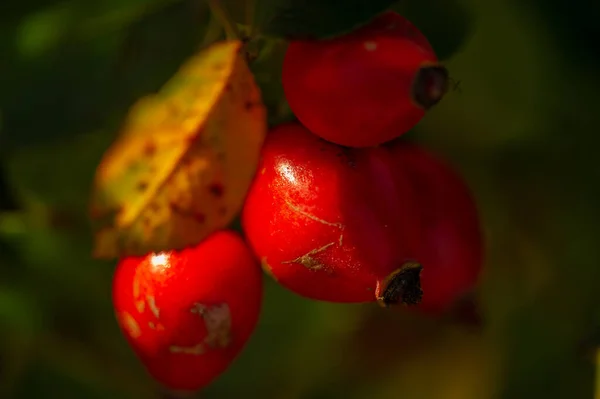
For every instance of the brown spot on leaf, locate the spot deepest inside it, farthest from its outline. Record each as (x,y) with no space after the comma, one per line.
(216,189)
(192,139)
(186,162)
(149,149)
(175,208)
(133,166)
(142,186)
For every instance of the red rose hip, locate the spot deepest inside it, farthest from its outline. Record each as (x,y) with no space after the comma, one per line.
(366,87)
(452,248)
(187,314)
(333,223)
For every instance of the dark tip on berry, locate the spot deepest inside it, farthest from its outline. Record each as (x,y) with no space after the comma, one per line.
(402,286)
(430,86)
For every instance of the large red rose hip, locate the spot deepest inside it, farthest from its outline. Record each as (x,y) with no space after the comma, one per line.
(452,248)
(366,87)
(187,314)
(333,223)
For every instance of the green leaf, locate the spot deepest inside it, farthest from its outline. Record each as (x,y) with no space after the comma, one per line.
(184,160)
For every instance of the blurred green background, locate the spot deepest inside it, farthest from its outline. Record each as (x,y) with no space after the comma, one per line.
(523,130)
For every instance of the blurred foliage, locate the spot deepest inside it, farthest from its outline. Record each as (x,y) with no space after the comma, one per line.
(522,129)
(320,18)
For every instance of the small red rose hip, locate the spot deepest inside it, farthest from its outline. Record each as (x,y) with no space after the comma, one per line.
(452,247)
(333,223)
(366,87)
(187,314)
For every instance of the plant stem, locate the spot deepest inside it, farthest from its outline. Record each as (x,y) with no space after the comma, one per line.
(224,18)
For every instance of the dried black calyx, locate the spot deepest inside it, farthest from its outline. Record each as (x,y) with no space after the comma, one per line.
(430,85)
(403,286)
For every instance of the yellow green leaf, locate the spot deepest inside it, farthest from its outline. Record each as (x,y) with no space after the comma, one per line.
(184,160)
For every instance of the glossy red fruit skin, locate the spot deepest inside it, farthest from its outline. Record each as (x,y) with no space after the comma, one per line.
(187,314)
(329,223)
(452,252)
(357,89)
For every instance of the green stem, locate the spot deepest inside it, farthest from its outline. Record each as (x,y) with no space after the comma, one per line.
(224,18)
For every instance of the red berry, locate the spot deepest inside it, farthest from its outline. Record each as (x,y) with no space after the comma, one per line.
(333,223)
(452,253)
(367,87)
(187,314)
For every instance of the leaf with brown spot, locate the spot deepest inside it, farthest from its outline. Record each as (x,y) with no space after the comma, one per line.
(184,160)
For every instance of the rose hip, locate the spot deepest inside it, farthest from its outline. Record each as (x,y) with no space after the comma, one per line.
(333,223)
(187,314)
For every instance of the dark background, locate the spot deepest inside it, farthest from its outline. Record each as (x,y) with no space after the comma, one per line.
(523,129)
